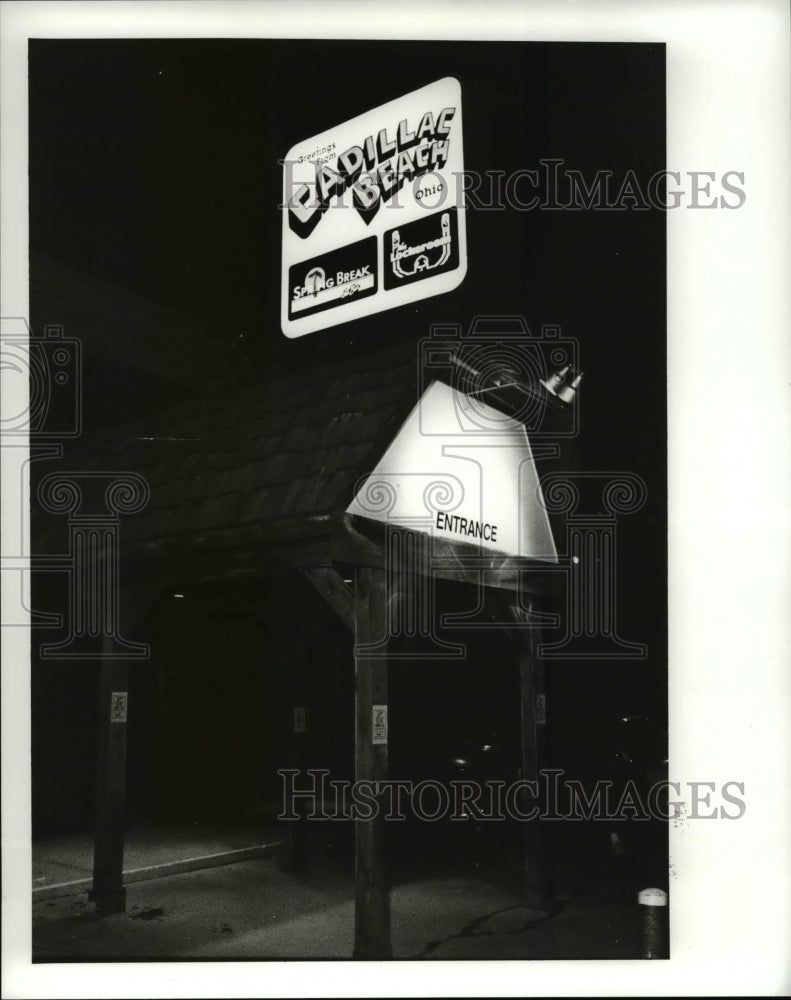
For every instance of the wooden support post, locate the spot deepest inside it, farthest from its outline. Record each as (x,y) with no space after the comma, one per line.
(293,856)
(108,890)
(539,879)
(372,889)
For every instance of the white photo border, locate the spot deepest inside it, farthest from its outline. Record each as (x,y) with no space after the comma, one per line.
(729,358)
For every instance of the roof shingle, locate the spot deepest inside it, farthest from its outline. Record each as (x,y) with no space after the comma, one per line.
(294,446)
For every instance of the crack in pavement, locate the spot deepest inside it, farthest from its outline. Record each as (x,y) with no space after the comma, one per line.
(470,930)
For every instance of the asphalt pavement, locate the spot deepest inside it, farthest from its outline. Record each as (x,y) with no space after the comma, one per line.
(250,909)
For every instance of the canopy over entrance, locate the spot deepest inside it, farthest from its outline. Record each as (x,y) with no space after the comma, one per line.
(367,478)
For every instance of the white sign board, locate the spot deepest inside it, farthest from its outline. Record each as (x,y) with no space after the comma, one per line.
(461,470)
(379,725)
(373,213)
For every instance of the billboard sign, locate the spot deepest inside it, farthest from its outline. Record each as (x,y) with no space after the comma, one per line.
(373,216)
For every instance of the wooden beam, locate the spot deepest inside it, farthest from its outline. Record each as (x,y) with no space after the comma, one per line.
(538,856)
(372,889)
(294,854)
(108,890)
(286,542)
(338,595)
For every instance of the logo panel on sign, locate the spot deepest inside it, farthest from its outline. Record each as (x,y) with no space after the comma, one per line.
(421,249)
(333,279)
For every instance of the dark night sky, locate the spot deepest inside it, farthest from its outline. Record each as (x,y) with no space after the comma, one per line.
(155,164)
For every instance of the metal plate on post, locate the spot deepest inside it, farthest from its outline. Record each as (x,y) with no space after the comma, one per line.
(118,701)
(379,725)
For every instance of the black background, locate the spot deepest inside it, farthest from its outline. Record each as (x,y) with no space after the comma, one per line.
(155,164)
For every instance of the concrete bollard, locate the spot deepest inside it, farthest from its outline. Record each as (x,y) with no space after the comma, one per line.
(653,923)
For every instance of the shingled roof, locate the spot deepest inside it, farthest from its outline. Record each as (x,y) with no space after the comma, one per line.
(292,447)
